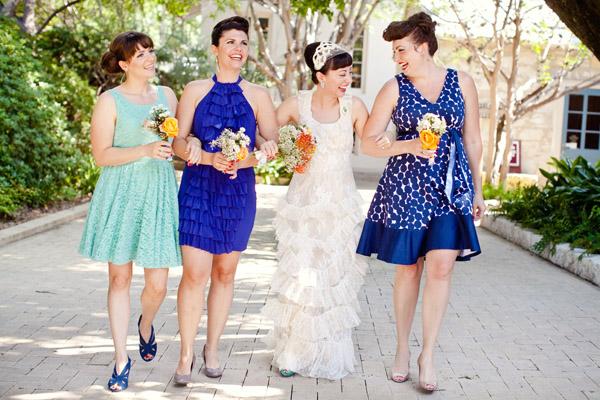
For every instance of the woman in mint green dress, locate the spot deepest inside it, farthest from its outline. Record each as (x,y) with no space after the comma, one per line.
(133,215)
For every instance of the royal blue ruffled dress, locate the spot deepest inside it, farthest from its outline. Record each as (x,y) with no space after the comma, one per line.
(420,207)
(216,214)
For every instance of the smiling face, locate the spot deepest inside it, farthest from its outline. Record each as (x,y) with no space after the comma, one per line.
(232,51)
(337,81)
(409,55)
(142,64)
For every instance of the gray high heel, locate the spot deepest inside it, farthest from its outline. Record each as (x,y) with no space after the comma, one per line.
(210,372)
(184,379)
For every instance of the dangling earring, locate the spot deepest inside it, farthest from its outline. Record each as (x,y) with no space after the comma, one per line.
(322,83)
(217,63)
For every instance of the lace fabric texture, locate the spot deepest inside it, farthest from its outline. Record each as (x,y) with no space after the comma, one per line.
(318,223)
(133,214)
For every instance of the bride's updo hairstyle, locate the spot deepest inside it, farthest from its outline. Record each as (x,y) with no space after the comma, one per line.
(341,60)
(420,27)
(122,48)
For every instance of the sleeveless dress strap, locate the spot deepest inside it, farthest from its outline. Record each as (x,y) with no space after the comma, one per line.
(304,111)
(399,79)
(161,97)
(346,111)
(118,98)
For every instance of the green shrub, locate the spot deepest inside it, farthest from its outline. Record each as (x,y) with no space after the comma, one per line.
(491,192)
(78,50)
(44,114)
(180,64)
(567,209)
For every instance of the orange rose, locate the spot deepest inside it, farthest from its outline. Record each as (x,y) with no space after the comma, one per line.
(170,127)
(304,141)
(300,168)
(429,140)
(242,154)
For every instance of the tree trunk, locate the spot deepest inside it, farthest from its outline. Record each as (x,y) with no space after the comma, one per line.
(492,122)
(298,29)
(9,8)
(582,18)
(506,143)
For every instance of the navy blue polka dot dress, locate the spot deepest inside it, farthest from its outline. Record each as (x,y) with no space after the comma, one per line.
(420,207)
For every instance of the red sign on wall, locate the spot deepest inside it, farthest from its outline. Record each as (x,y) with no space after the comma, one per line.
(515,156)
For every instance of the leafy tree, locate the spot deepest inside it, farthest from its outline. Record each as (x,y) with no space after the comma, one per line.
(582,18)
(301,21)
(43,130)
(512,24)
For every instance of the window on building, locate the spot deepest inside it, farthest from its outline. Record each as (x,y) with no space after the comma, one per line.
(583,121)
(357,58)
(264,24)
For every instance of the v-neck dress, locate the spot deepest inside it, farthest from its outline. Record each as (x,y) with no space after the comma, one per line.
(419,207)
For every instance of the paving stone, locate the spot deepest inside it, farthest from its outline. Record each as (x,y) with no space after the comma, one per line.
(517,328)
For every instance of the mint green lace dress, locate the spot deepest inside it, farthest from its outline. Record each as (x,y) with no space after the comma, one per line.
(133,215)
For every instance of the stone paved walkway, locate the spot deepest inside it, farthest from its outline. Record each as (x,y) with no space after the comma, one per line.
(517,328)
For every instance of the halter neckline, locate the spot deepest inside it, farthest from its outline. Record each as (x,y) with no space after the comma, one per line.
(215,80)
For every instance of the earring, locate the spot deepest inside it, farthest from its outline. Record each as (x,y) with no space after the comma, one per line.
(217,63)
(322,83)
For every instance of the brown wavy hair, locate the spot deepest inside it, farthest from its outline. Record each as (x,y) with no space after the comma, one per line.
(420,27)
(122,48)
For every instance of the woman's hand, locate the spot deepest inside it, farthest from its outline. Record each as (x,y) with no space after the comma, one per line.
(478,206)
(193,151)
(161,150)
(220,163)
(414,147)
(269,148)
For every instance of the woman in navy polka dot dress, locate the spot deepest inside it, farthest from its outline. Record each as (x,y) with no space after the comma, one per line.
(420,209)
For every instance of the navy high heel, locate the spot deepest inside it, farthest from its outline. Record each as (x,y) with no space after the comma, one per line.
(120,382)
(147,350)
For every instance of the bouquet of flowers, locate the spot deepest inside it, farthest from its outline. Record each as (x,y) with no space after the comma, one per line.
(233,145)
(431,128)
(296,147)
(162,124)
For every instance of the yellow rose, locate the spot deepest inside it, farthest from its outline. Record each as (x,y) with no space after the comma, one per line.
(242,154)
(429,140)
(170,127)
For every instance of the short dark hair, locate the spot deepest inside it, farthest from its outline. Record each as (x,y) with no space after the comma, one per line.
(420,27)
(122,48)
(341,60)
(237,23)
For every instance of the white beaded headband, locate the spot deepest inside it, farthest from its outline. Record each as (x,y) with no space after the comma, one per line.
(325,51)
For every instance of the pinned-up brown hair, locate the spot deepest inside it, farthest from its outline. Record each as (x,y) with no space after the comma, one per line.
(341,60)
(122,48)
(420,27)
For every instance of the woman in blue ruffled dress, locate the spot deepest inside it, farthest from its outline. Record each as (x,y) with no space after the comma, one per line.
(422,210)
(217,200)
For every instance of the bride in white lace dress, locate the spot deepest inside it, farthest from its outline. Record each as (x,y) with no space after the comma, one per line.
(314,304)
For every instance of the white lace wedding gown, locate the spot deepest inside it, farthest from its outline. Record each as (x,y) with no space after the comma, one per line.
(314,304)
